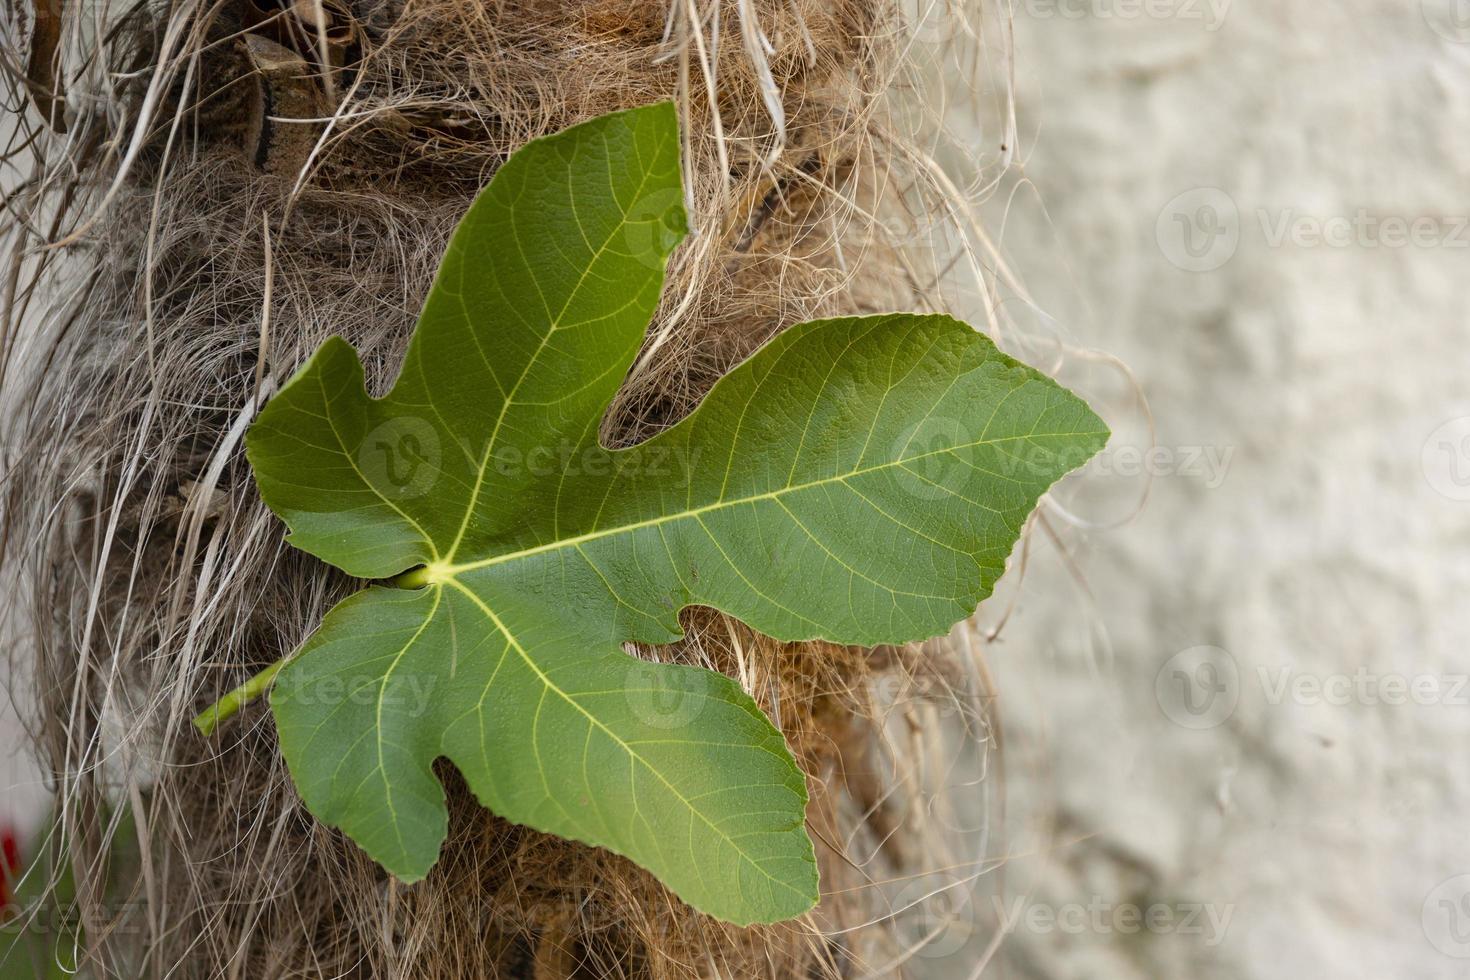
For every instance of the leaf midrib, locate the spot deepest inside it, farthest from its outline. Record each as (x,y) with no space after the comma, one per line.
(553,327)
(593,720)
(448,572)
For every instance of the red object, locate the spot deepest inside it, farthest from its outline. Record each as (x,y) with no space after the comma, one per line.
(9,867)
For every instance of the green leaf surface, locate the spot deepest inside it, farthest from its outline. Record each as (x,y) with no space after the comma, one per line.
(859,480)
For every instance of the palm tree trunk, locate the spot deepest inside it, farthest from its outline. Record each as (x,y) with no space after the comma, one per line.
(210,190)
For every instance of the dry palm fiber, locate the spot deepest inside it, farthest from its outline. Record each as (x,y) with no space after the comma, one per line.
(209,190)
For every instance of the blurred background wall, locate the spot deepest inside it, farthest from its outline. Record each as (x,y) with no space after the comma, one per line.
(1251,717)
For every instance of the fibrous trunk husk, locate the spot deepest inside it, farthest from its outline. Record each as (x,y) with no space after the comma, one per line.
(216,187)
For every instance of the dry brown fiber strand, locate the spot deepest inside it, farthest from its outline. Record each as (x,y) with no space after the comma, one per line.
(231,183)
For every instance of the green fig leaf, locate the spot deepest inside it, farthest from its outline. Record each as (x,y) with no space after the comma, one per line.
(858,480)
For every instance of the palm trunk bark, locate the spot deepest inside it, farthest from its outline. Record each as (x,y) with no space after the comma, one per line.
(212,189)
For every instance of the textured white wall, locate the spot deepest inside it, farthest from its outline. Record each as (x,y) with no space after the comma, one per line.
(1315,830)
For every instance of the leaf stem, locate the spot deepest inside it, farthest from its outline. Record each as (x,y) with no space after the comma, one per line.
(229,705)
(414,578)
